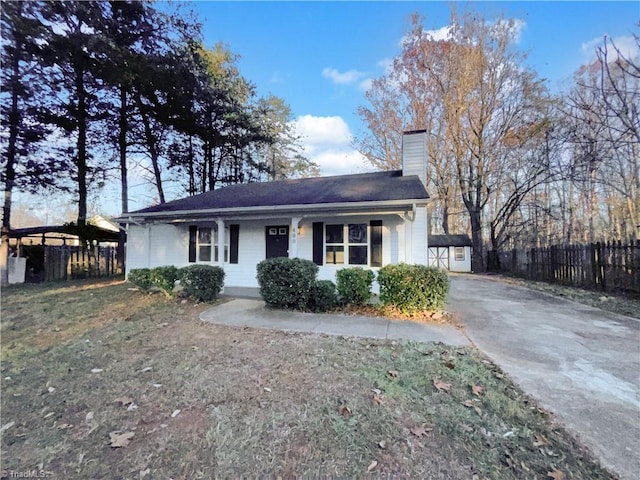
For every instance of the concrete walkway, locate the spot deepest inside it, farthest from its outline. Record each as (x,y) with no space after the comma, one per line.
(580,362)
(253,313)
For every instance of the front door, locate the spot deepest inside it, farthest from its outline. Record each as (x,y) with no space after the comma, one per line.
(277,241)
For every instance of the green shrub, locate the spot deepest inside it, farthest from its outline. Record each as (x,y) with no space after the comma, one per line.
(413,288)
(323,296)
(201,282)
(354,285)
(141,278)
(164,278)
(286,282)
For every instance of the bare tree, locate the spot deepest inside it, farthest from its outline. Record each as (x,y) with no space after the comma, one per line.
(491,108)
(602,112)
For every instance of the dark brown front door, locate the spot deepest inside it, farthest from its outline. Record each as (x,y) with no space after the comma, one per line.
(277,241)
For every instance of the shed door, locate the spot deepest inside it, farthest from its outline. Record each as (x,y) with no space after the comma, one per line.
(277,241)
(439,257)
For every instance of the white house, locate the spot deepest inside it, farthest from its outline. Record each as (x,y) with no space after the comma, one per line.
(368,220)
(450,252)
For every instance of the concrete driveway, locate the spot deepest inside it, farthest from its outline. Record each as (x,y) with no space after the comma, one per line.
(581,363)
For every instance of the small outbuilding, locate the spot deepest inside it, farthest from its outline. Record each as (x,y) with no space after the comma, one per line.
(450,252)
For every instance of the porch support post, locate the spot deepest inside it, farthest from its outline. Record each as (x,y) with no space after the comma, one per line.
(221,239)
(408,237)
(293,240)
(148,245)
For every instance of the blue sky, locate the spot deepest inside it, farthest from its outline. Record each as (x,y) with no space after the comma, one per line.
(319,56)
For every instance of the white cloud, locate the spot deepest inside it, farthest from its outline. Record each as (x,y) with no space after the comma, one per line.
(322,130)
(341,162)
(626,44)
(588,48)
(442,33)
(386,64)
(366,84)
(514,27)
(327,142)
(349,77)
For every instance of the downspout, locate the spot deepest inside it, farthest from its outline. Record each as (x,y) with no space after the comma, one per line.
(149,245)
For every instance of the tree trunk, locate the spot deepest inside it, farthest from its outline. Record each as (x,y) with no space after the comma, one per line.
(124,187)
(10,167)
(192,177)
(152,145)
(445,217)
(81,160)
(477,259)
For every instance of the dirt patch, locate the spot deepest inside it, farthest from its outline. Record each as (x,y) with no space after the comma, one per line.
(206,401)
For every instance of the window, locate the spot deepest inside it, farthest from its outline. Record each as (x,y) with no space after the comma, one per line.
(356,245)
(459,254)
(204,240)
(199,244)
(204,244)
(334,241)
(351,244)
(216,255)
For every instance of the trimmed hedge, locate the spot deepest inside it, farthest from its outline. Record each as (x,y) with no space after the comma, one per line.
(164,278)
(201,282)
(323,296)
(141,278)
(413,288)
(286,282)
(354,285)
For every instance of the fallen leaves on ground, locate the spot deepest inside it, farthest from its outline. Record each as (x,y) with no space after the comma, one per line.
(420,431)
(471,404)
(540,440)
(344,410)
(477,390)
(119,440)
(556,475)
(441,386)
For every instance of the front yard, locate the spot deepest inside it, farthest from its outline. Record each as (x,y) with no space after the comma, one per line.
(99,381)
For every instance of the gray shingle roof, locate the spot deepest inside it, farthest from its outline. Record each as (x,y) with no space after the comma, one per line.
(449,241)
(364,187)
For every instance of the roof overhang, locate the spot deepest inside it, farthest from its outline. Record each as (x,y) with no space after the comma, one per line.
(275,211)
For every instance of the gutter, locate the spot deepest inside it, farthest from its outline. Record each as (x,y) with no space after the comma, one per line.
(410,204)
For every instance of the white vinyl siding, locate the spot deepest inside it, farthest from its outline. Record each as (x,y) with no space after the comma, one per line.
(170,245)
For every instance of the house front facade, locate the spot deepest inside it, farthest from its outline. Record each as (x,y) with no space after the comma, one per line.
(367,220)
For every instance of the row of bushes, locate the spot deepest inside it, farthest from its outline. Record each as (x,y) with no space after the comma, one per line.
(200,282)
(293,283)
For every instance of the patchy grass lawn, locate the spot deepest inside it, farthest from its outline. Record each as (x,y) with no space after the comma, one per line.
(87,366)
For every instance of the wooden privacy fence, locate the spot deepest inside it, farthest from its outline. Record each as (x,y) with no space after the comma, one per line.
(607,266)
(65,262)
